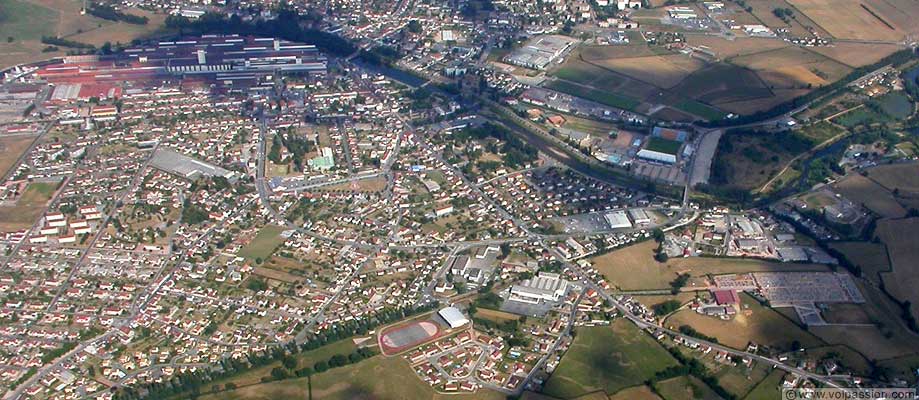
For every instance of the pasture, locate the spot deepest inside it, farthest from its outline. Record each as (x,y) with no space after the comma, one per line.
(685,388)
(901,237)
(887,336)
(904,176)
(793,67)
(870,257)
(768,388)
(861,190)
(607,358)
(642,392)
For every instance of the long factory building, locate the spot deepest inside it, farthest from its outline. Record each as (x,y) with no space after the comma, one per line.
(230,60)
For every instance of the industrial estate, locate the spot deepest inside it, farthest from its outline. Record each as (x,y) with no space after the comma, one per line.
(630,199)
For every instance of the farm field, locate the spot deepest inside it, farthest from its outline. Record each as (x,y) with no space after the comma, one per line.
(634,268)
(901,237)
(857,54)
(607,358)
(663,71)
(728,49)
(753,323)
(685,388)
(851,20)
(793,67)
(740,381)
(861,190)
(264,243)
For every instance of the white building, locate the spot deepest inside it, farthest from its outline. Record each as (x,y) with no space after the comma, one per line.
(544,287)
(453,316)
(617,220)
(639,216)
(657,156)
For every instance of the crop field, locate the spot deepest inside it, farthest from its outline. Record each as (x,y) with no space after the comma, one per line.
(634,268)
(874,197)
(862,20)
(753,323)
(857,54)
(901,237)
(264,243)
(663,71)
(685,388)
(728,49)
(607,358)
(793,67)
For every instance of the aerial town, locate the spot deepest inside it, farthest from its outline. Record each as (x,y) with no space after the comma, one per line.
(617,199)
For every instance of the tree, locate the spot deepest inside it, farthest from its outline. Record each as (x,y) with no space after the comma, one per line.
(289,362)
(279,373)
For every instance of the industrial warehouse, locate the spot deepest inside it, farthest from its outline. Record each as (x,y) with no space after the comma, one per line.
(228,61)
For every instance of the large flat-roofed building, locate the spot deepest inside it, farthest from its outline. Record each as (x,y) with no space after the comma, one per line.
(453,316)
(187,167)
(544,287)
(617,220)
(223,59)
(652,155)
(540,51)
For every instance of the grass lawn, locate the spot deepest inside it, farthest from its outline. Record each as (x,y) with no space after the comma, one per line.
(607,358)
(753,323)
(264,243)
(662,145)
(700,109)
(600,96)
(685,388)
(37,193)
